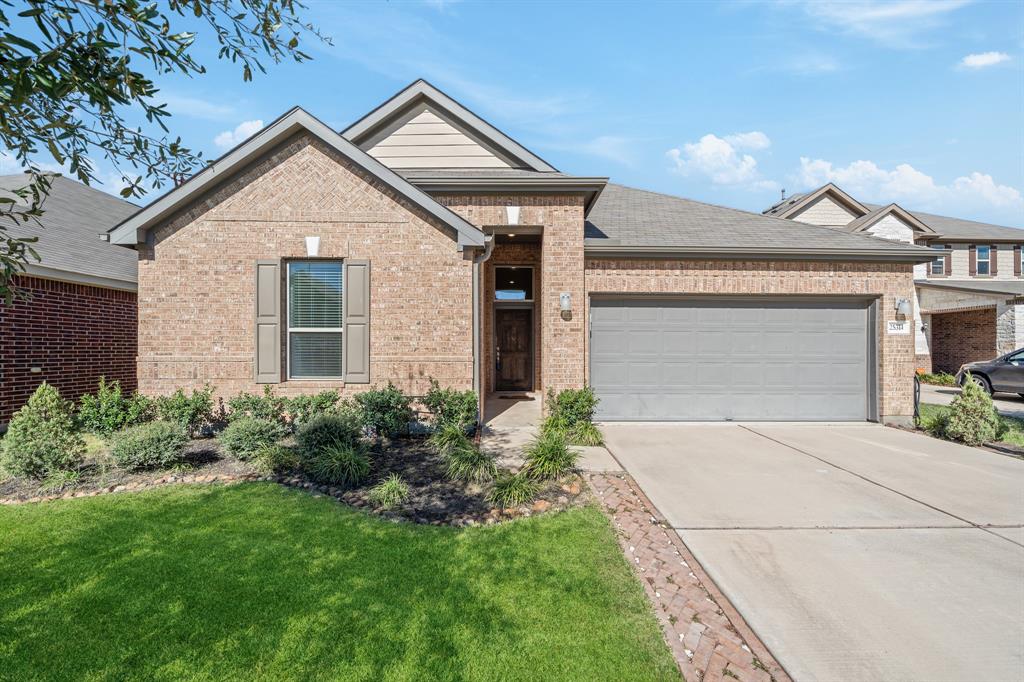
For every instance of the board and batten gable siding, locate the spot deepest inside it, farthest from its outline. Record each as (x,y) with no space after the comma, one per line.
(825,211)
(197,281)
(428,141)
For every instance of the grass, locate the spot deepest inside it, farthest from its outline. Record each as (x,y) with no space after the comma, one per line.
(258,581)
(1013,435)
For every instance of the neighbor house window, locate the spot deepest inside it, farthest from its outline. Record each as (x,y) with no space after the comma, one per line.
(513,283)
(983,260)
(939,264)
(314,320)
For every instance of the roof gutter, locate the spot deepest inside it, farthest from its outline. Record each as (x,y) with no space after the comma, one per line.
(910,254)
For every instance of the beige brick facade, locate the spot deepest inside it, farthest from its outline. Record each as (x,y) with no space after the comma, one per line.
(196,280)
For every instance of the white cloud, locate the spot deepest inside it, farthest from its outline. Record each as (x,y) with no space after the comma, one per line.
(721,160)
(194,107)
(983,59)
(896,24)
(242,132)
(905,184)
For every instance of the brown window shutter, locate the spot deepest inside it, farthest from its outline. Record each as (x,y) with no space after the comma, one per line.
(356,312)
(993,267)
(1016,260)
(267,351)
(947,269)
(972,262)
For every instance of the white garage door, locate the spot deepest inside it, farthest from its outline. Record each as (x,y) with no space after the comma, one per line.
(731,359)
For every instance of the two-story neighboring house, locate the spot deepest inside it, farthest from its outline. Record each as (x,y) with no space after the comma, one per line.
(969,301)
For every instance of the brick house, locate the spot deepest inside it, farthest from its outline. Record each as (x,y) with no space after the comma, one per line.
(968,301)
(423,242)
(76,321)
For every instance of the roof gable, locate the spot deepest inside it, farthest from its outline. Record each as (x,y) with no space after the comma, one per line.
(133,230)
(414,125)
(866,221)
(796,205)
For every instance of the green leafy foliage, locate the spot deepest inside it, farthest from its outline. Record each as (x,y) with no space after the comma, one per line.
(972,417)
(467,462)
(938,379)
(268,407)
(572,406)
(326,431)
(110,410)
(548,456)
(451,407)
(448,438)
(156,445)
(584,433)
(41,438)
(345,464)
(512,490)
(385,412)
(190,411)
(390,492)
(275,459)
(58,481)
(303,408)
(246,436)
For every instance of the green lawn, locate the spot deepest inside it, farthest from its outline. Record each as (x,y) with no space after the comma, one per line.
(259,581)
(1014,434)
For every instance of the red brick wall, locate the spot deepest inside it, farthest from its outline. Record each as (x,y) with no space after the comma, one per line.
(961,337)
(74,333)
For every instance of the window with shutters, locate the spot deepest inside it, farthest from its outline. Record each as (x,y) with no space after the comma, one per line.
(983,260)
(939,264)
(315,320)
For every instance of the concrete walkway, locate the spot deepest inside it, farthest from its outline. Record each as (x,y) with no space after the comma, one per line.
(1007,404)
(855,552)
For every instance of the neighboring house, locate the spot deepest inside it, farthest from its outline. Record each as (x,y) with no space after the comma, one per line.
(969,300)
(423,242)
(76,322)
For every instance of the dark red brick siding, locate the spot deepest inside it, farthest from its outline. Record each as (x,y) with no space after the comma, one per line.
(75,333)
(962,337)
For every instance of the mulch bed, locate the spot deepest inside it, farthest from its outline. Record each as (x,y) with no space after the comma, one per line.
(433,498)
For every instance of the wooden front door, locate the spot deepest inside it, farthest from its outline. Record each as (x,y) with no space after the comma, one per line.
(513,351)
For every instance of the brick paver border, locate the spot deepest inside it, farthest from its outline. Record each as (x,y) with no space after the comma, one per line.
(709,638)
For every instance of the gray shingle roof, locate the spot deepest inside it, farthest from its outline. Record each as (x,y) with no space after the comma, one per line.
(781,206)
(489,173)
(990,286)
(958,228)
(627,217)
(69,230)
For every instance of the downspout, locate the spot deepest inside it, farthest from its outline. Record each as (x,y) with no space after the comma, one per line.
(478,261)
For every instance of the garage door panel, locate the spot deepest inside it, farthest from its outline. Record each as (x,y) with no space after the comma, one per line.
(730,359)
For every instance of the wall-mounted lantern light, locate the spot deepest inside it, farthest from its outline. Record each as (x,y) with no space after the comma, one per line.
(312,246)
(902,307)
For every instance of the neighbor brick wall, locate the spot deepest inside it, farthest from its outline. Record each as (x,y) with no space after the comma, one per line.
(960,337)
(886,281)
(73,332)
(197,282)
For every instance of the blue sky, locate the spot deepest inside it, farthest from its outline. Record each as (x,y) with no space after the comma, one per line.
(921,103)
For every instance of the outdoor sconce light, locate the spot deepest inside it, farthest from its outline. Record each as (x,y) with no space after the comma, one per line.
(565,305)
(512,215)
(902,307)
(312,246)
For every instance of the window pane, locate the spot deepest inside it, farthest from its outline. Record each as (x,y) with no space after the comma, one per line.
(983,252)
(315,354)
(513,284)
(314,294)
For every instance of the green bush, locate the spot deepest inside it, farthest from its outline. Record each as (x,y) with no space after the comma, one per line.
(246,436)
(268,407)
(572,406)
(512,490)
(451,407)
(110,410)
(448,438)
(344,464)
(548,456)
(326,431)
(390,492)
(57,481)
(385,412)
(41,438)
(191,412)
(469,463)
(275,459)
(303,408)
(972,417)
(584,433)
(936,424)
(155,445)
(938,379)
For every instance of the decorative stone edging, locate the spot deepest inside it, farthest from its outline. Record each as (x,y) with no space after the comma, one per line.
(170,479)
(707,635)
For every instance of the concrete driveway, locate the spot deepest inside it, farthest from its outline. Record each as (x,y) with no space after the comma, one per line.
(856,552)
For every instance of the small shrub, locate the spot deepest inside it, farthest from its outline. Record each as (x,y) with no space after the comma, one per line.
(149,446)
(584,433)
(936,424)
(512,490)
(338,464)
(58,480)
(448,438)
(554,423)
(469,463)
(246,436)
(109,410)
(548,456)
(572,406)
(390,492)
(385,412)
(41,438)
(325,431)
(972,417)
(268,407)
(938,379)
(191,412)
(451,407)
(275,459)
(303,408)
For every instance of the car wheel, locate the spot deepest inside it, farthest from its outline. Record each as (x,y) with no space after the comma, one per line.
(982,383)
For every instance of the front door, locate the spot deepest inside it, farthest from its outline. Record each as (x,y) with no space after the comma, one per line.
(513,329)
